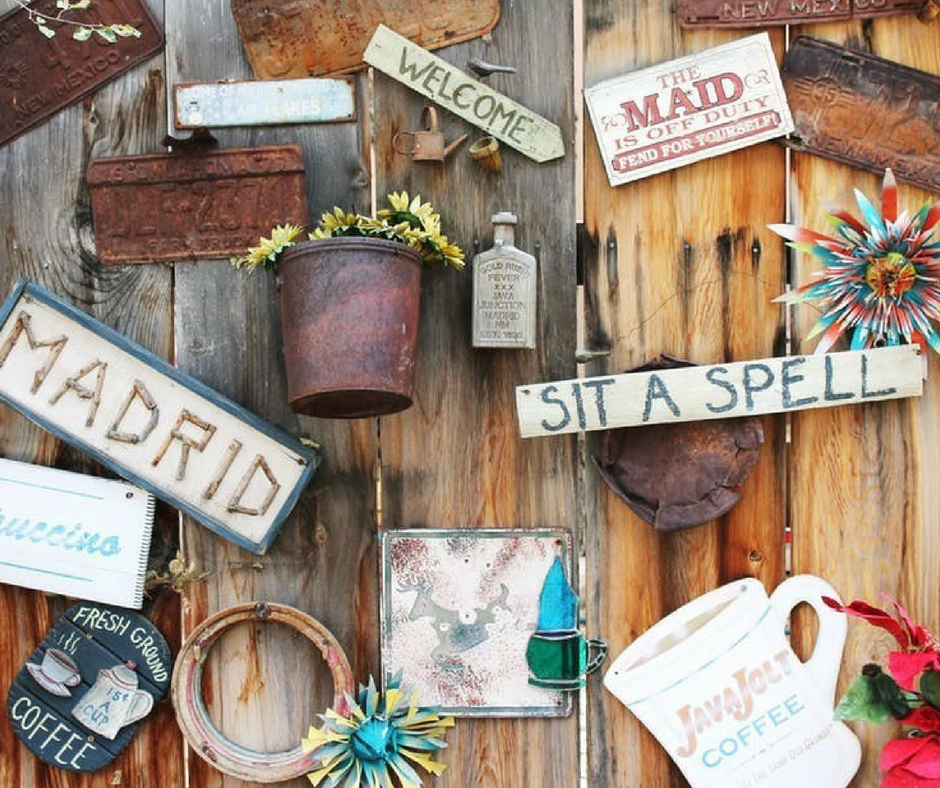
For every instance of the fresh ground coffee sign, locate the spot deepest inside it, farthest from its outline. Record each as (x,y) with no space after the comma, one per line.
(83,693)
(147,421)
(720,391)
(689,109)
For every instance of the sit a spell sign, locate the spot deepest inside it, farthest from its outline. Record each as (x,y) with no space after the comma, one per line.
(720,391)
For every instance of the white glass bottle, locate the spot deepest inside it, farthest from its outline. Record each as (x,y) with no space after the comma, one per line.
(504,291)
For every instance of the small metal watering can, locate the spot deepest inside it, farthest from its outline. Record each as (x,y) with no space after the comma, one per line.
(428,143)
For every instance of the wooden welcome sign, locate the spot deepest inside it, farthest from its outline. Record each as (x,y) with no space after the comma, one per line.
(82,694)
(147,421)
(466,97)
(720,391)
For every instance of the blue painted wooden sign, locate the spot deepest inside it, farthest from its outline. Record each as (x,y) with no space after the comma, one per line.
(148,421)
(83,693)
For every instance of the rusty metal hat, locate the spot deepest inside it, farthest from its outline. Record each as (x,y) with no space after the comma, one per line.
(679,475)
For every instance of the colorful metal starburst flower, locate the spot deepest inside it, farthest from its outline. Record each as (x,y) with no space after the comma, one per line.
(372,744)
(881,283)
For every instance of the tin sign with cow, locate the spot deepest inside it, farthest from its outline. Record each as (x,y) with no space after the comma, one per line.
(458,610)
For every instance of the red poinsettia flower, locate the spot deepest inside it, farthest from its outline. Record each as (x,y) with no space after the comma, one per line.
(925,718)
(911,763)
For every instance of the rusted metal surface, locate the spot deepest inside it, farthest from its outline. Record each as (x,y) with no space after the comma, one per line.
(864,111)
(196,204)
(39,75)
(677,476)
(314,37)
(253,103)
(763,13)
(349,318)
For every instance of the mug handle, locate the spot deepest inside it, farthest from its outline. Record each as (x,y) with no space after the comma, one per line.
(143,700)
(600,648)
(826,658)
(398,145)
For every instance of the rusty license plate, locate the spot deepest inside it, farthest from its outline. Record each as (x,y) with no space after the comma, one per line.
(864,111)
(39,75)
(193,205)
(300,38)
(762,13)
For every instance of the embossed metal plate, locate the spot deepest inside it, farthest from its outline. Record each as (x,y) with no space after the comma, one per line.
(300,38)
(194,205)
(762,13)
(864,111)
(252,103)
(39,75)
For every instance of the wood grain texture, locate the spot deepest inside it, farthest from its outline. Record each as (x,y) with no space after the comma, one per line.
(263,684)
(864,501)
(455,459)
(45,224)
(678,263)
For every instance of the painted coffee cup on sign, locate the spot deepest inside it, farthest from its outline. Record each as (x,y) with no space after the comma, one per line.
(718,685)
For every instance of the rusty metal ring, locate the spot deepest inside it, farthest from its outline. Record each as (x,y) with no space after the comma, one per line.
(209,742)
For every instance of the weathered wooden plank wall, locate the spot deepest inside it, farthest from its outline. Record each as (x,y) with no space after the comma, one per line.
(680,263)
(45,216)
(863,492)
(264,683)
(455,459)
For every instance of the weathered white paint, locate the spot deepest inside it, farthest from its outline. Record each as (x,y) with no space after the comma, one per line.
(719,391)
(222,479)
(257,103)
(689,109)
(466,97)
(66,533)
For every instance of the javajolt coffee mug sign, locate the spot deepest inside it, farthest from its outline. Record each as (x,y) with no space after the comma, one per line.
(718,685)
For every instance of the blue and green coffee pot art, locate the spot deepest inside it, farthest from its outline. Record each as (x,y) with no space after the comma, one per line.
(559,656)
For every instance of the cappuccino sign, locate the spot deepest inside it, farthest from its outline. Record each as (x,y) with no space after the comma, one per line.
(147,421)
(689,109)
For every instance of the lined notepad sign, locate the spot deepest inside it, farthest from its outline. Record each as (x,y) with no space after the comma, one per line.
(71,534)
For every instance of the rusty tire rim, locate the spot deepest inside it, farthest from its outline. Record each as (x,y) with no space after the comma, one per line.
(208,742)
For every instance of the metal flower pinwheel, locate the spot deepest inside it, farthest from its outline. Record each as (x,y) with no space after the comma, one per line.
(372,743)
(881,283)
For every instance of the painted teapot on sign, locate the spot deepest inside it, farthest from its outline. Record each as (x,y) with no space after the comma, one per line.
(113,701)
(718,685)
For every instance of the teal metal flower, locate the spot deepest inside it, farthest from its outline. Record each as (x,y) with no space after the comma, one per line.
(373,743)
(881,283)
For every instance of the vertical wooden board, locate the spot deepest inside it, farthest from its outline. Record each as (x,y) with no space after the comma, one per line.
(45,223)
(863,496)
(455,458)
(677,263)
(264,685)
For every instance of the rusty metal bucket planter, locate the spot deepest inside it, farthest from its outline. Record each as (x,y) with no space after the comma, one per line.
(349,320)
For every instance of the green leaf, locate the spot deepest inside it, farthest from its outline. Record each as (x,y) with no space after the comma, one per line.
(126,31)
(107,34)
(886,690)
(81,5)
(82,33)
(48,32)
(930,687)
(861,703)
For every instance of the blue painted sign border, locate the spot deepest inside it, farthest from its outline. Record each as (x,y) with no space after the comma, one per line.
(310,456)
